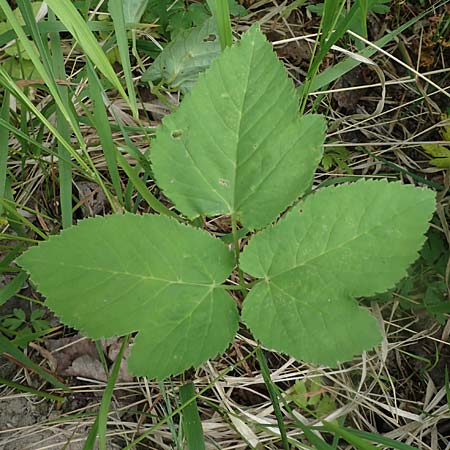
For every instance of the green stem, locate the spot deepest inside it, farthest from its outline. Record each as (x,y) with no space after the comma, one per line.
(237,251)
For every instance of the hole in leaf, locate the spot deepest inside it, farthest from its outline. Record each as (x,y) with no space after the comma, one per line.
(176,134)
(210,38)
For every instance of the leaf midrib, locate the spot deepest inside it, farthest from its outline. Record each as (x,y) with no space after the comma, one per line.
(238,132)
(132,275)
(308,261)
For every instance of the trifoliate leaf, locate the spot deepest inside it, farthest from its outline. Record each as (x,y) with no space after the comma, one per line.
(189,54)
(237,145)
(343,242)
(124,273)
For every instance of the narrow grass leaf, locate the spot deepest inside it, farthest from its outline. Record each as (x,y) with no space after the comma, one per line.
(30,21)
(116,9)
(89,443)
(55,27)
(222,15)
(11,208)
(64,166)
(107,396)
(5,125)
(356,441)
(340,69)
(192,425)
(101,123)
(385,441)
(273,396)
(4,141)
(22,388)
(13,287)
(140,187)
(36,59)
(7,347)
(8,83)
(315,440)
(76,24)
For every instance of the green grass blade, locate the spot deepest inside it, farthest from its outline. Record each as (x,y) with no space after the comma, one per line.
(21,387)
(4,138)
(12,254)
(332,10)
(168,412)
(379,439)
(315,440)
(30,21)
(12,287)
(5,125)
(101,124)
(91,172)
(55,27)
(10,207)
(192,425)
(143,190)
(36,59)
(116,11)
(8,83)
(336,71)
(64,167)
(363,11)
(107,395)
(76,24)
(221,12)
(16,354)
(273,396)
(332,26)
(356,441)
(89,443)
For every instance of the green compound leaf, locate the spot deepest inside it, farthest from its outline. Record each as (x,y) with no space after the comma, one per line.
(123,273)
(237,145)
(343,242)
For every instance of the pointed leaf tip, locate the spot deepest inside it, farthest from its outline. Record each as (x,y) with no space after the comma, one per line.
(237,145)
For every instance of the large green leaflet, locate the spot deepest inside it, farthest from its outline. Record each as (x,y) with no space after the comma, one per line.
(343,242)
(120,274)
(237,145)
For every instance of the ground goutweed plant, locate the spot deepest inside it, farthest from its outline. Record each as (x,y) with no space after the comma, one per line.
(237,146)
